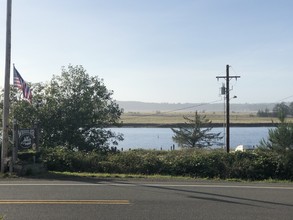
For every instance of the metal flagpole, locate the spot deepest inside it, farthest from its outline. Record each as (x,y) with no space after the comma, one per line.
(5,124)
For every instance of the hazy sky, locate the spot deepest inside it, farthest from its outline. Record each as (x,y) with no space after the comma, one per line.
(158,50)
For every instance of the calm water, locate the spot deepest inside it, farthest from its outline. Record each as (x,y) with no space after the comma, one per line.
(157,138)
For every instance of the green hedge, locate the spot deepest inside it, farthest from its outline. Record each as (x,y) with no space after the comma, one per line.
(257,165)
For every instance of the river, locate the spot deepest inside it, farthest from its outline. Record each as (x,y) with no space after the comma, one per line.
(161,138)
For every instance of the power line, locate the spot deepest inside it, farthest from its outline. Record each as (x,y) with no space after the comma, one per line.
(194,106)
(285,98)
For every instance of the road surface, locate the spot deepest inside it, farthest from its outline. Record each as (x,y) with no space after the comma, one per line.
(143,199)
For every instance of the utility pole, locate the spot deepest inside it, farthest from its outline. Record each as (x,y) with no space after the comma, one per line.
(227,93)
(5,124)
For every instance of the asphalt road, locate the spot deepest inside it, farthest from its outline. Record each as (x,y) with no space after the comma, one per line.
(143,199)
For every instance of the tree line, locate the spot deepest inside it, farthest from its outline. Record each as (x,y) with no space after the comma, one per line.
(280,110)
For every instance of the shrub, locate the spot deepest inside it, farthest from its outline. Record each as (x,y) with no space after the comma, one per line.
(63,159)
(257,165)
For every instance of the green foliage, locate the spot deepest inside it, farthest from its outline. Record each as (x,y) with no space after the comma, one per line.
(83,107)
(29,156)
(281,111)
(73,109)
(280,138)
(264,113)
(257,165)
(279,147)
(196,133)
(64,159)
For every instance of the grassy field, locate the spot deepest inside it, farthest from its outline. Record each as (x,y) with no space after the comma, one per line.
(177,118)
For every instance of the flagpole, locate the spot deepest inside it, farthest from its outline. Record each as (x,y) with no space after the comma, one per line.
(5,138)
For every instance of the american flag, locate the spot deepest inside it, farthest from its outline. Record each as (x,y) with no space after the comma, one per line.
(21,84)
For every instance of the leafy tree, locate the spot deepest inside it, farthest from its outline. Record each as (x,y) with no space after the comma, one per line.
(196,133)
(281,111)
(73,109)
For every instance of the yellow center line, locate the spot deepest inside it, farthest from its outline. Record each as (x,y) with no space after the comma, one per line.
(78,202)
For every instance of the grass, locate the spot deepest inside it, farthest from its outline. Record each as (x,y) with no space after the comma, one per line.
(157,177)
(176,118)
(115,175)
(68,175)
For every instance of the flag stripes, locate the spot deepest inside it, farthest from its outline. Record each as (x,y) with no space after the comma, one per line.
(22,85)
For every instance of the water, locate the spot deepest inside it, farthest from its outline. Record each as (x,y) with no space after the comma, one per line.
(161,138)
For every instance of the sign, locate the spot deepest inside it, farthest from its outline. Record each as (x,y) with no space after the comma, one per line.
(26,138)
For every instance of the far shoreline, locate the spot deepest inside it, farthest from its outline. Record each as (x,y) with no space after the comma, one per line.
(176,125)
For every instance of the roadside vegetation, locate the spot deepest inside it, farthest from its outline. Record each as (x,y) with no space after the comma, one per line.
(257,165)
(272,160)
(75,110)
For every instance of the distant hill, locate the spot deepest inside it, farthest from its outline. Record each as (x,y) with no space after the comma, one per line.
(135,106)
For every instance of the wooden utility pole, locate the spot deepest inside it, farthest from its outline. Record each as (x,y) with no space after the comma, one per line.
(5,124)
(227,93)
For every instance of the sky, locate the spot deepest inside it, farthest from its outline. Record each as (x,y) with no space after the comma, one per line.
(165,51)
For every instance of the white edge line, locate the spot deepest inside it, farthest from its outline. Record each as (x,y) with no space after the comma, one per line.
(148,185)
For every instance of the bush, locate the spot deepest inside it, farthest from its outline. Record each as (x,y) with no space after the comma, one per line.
(63,159)
(257,165)
(29,156)
(137,162)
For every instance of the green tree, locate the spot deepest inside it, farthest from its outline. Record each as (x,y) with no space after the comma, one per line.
(73,109)
(263,113)
(280,138)
(281,111)
(280,141)
(196,133)
(291,108)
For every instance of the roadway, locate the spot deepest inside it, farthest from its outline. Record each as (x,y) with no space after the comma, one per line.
(143,199)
